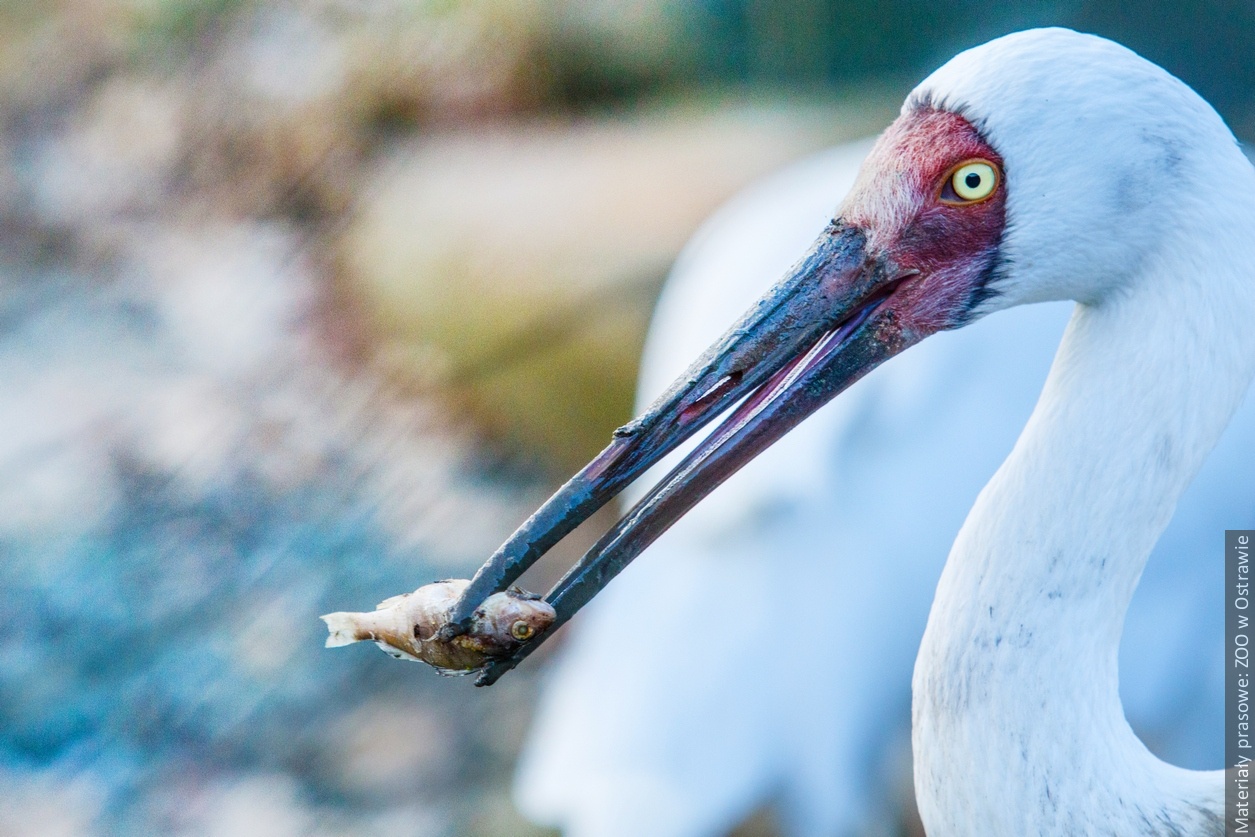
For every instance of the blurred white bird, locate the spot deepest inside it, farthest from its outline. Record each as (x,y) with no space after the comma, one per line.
(811,715)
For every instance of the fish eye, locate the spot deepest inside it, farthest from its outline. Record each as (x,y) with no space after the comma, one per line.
(521,631)
(971,182)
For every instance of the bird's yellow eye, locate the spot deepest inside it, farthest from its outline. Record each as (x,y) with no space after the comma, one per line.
(521,631)
(971,182)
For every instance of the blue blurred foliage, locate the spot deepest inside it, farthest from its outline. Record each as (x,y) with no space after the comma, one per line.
(119,643)
(129,644)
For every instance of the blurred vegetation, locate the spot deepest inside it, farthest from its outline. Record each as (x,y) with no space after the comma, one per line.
(827,42)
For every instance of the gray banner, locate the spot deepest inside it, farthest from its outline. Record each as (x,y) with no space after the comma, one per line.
(1239,682)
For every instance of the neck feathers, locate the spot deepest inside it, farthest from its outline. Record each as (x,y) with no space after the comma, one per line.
(1017,711)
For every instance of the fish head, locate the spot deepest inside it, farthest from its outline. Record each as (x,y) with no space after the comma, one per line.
(510,619)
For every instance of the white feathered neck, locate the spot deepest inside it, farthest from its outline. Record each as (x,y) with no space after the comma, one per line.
(1018,727)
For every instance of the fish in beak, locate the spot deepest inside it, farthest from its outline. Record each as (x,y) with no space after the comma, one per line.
(900,262)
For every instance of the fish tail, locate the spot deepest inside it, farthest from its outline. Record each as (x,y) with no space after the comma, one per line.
(343,629)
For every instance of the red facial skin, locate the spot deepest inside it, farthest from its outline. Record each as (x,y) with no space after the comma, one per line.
(897,201)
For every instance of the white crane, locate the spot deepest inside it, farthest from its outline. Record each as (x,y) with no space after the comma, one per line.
(1044,165)
(1017,720)
(809,739)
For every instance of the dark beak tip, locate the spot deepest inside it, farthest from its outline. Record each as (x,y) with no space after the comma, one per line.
(492,672)
(449,631)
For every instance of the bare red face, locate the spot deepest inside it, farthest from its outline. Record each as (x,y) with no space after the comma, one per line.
(905,200)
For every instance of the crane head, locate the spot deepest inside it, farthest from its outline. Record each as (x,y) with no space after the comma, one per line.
(1001,165)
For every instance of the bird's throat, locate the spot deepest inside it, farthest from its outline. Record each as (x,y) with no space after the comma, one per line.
(1018,667)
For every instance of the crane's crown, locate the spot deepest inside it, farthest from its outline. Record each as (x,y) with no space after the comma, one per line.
(1100,151)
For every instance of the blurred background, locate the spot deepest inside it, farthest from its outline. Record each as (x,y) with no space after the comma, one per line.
(305,304)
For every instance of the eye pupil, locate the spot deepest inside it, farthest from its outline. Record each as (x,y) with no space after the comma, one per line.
(972,180)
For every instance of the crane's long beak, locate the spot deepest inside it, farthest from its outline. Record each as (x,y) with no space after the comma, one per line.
(825,325)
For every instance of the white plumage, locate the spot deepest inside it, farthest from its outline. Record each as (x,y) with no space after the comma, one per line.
(1130,196)
(854,510)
